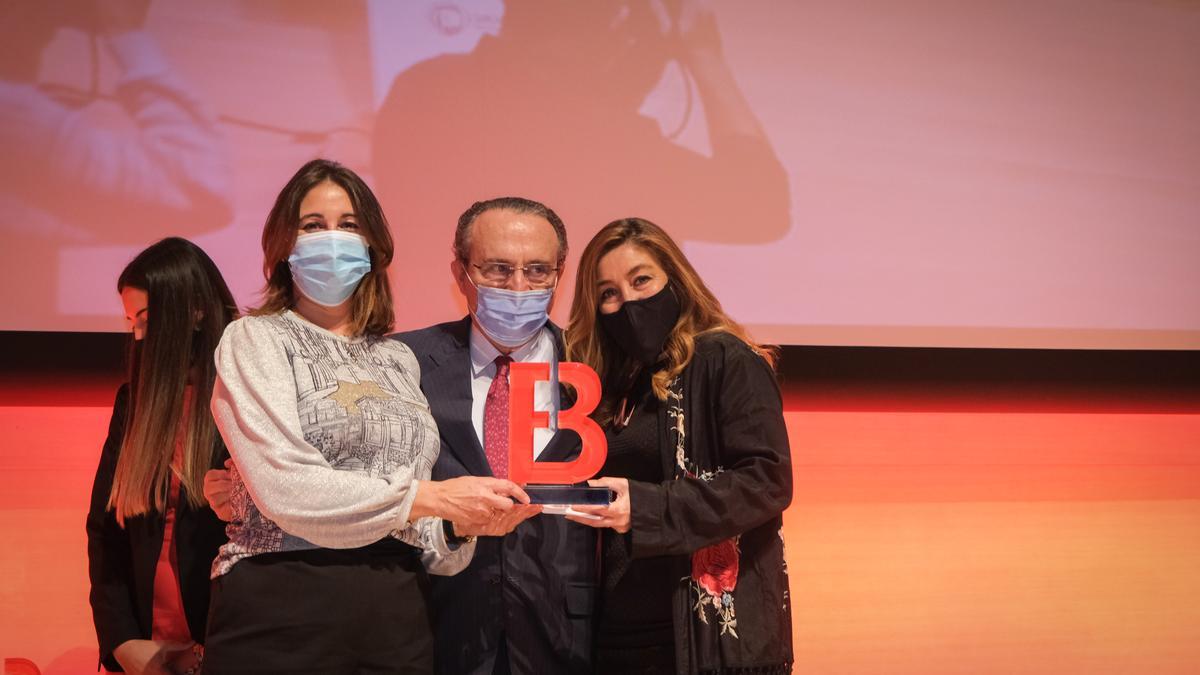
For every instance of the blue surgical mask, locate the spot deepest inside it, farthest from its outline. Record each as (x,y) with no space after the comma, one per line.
(328,265)
(511,318)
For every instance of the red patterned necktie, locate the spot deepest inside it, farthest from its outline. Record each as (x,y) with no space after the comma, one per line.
(495,420)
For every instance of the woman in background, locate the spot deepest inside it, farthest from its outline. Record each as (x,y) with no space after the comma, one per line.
(694,579)
(333,517)
(151,535)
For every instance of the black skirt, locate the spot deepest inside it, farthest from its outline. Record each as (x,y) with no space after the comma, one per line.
(322,611)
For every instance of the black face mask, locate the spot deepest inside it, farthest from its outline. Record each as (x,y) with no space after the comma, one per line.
(640,327)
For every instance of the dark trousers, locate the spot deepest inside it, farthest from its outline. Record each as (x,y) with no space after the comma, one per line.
(322,611)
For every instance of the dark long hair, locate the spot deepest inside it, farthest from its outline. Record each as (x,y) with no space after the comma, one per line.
(371,313)
(188,307)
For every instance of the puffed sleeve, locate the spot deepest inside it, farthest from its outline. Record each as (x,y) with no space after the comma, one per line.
(255,406)
(439,556)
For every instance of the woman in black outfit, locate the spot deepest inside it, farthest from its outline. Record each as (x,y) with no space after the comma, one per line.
(694,576)
(151,535)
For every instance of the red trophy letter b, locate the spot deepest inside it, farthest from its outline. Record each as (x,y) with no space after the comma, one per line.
(522,468)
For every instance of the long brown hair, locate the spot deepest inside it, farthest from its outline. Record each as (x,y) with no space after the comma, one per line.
(188,307)
(699,310)
(371,312)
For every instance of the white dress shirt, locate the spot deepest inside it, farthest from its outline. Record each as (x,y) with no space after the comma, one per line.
(483,370)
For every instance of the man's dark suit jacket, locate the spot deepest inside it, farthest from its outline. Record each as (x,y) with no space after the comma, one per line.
(536,586)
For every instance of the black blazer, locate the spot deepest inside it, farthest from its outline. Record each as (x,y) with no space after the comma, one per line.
(735,438)
(535,586)
(122,561)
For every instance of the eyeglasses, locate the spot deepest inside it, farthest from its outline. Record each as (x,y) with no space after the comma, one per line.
(501,272)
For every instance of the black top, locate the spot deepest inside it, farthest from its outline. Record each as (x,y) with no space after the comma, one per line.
(633,448)
(122,560)
(636,612)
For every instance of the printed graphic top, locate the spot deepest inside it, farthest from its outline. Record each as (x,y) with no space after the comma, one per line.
(329,436)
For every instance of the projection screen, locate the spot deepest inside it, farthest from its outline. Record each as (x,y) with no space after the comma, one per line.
(939,173)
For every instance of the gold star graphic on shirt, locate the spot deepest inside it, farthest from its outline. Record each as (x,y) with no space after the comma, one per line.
(348,394)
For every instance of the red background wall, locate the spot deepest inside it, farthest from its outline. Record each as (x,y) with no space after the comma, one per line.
(956,511)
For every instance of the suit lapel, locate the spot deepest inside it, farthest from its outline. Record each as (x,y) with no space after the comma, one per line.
(447,384)
(448,388)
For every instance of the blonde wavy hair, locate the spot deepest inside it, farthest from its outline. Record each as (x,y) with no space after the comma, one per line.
(699,310)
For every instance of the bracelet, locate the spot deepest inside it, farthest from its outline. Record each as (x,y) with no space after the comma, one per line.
(198,652)
(451,537)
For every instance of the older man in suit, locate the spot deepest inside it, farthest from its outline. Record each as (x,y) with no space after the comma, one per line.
(524,604)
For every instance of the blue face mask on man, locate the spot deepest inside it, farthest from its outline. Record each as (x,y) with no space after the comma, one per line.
(511,318)
(328,265)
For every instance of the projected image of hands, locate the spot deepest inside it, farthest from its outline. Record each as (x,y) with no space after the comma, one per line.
(126,161)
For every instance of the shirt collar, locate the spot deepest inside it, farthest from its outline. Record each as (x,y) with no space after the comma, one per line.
(484,353)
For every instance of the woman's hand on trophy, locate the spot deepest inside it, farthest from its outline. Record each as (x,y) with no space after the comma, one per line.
(467,501)
(615,515)
(501,524)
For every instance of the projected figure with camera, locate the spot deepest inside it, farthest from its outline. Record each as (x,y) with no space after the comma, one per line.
(570,123)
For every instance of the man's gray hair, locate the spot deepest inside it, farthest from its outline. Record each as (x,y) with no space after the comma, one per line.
(462,235)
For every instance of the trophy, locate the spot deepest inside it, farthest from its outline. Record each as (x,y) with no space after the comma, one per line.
(555,484)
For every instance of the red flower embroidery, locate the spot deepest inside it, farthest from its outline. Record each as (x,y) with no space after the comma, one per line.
(715,567)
